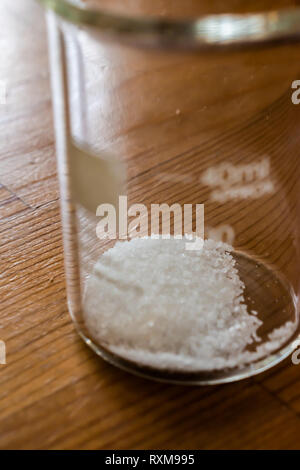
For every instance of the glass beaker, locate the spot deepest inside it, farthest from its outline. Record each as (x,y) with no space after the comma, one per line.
(155,107)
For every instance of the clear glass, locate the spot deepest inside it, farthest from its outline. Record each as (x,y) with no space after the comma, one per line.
(177,114)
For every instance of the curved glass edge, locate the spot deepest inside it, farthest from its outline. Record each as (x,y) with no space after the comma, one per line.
(231,375)
(205,31)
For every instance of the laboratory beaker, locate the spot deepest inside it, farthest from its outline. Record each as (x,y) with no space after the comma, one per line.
(190,116)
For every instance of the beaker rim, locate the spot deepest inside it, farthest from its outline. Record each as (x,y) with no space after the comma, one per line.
(214,30)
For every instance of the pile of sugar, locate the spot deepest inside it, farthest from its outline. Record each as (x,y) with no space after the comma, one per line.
(155,303)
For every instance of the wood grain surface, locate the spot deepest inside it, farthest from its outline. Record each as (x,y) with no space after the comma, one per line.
(54,392)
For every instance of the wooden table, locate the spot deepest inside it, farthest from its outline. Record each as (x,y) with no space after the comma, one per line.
(54,392)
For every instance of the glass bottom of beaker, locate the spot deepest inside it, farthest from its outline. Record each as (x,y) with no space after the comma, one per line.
(266,293)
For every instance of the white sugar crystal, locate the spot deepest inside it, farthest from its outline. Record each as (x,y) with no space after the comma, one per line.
(154,302)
